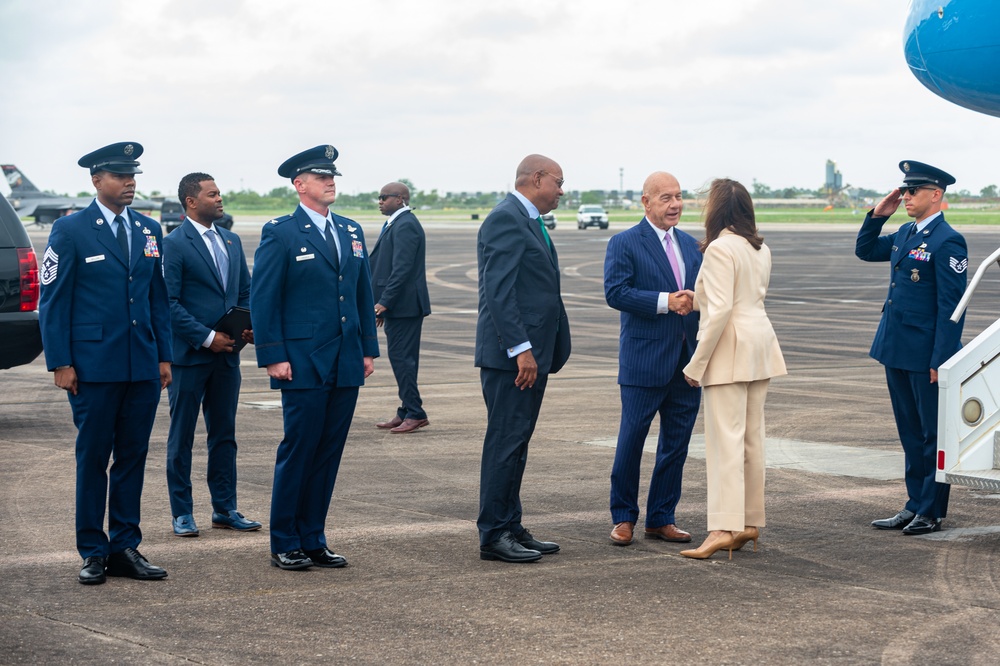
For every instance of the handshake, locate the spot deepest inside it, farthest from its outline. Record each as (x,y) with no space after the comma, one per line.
(681,302)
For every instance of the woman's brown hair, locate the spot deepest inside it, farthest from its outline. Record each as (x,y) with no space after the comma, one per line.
(729,206)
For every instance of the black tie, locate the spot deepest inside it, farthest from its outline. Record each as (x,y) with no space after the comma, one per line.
(332,244)
(122,236)
(913,230)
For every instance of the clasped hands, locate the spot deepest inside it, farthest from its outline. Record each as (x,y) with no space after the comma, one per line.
(681,302)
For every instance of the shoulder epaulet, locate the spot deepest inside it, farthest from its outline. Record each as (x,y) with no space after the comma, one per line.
(279,220)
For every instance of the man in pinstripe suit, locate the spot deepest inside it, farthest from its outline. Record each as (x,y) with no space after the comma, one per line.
(649,271)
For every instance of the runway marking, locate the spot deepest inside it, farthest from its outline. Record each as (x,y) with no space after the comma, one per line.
(815,457)
(961,533)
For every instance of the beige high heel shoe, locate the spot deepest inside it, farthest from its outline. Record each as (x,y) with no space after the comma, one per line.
(710,545)
(748,534)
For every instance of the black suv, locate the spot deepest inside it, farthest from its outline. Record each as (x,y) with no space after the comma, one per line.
(20,337)
(171,215)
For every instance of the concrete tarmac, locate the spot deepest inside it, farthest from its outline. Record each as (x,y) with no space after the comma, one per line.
(822,587)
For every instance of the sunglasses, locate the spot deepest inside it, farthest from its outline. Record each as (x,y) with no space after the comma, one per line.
(913,190)
(383,197)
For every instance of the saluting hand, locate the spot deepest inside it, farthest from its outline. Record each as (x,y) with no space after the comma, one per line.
(889,204)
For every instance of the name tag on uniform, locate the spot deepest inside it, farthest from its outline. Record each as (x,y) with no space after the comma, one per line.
(304,257)
(90,260)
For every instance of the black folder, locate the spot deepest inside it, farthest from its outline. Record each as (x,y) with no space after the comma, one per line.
(233,323)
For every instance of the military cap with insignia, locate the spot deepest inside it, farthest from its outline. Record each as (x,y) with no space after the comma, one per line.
(916,174)
(317,160)
(116,158)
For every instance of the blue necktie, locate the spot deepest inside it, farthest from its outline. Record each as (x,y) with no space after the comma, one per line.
(332,244)
(221,257)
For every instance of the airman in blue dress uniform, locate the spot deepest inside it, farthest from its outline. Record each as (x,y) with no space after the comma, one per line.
(105,323)
(928,262)
(313,318)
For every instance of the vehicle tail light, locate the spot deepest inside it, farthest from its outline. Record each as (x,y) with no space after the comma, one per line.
(30,286)
(941,460)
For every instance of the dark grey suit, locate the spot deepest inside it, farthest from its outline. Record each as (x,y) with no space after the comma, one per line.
(519,301)
(399,282)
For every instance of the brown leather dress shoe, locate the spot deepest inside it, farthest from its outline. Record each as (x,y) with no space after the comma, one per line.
(668,533)
(391,423)
(409,425)
(622,534)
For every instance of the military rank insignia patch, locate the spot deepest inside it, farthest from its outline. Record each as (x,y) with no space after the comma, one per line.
(958,265)
(359,249)
(50,266)
(151,249)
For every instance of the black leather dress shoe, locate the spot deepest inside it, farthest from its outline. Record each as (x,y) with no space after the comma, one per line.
(507,549)
(922,525)
(92,572)
(292,560)
(531,543)
(897,522)
(131,564)
(324,557)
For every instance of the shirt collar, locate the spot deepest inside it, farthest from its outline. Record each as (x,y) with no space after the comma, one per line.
(923,225)
(110,215)
(531,208)
(318,219)
(660,233)
(201,227)
(397,214)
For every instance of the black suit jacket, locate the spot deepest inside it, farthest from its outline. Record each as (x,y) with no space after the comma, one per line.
(519,297)
(399,268)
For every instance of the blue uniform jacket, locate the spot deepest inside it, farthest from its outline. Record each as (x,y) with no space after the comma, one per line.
(636,270)
(108,319)
(519,297)
(304,310)
(197,299)
(926,280)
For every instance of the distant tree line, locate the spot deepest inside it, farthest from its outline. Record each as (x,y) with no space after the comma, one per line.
(281,198)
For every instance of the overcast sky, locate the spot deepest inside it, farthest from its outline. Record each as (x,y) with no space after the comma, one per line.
(453,93)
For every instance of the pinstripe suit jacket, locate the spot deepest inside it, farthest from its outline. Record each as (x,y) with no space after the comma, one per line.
(636,271)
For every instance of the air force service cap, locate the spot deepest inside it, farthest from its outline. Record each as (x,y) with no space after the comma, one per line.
(116,158)
(317,160)
(918,173)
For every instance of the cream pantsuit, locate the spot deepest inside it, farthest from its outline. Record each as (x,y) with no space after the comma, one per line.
(736,357)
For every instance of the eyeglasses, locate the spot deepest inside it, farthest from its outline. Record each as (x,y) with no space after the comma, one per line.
(559,181)
(913,190)
(383,197)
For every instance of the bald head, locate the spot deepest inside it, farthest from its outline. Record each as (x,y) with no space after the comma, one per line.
(540,180)
(392,197)
(662,200)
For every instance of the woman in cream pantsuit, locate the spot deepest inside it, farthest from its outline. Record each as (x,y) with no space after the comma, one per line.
(736,357)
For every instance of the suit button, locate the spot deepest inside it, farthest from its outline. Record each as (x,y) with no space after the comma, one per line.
(340,277)
(129,278)
(131,300)
(343,320)
(893,284)
(896,268)
(133,322)
(341,299)
(890,301)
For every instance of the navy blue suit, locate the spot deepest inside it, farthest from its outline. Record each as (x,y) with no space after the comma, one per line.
(317,313)
(202,379)
(915,335)
(109,319)
(653,350)
(519,301)
(399,277)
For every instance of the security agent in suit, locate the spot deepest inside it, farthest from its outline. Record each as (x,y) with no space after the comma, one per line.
(105,325)
(314,328)
(206,275)
(521,337)
(399,279)
(928,261)
(649,271)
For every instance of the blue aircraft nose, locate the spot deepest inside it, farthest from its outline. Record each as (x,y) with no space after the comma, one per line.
(953,48)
